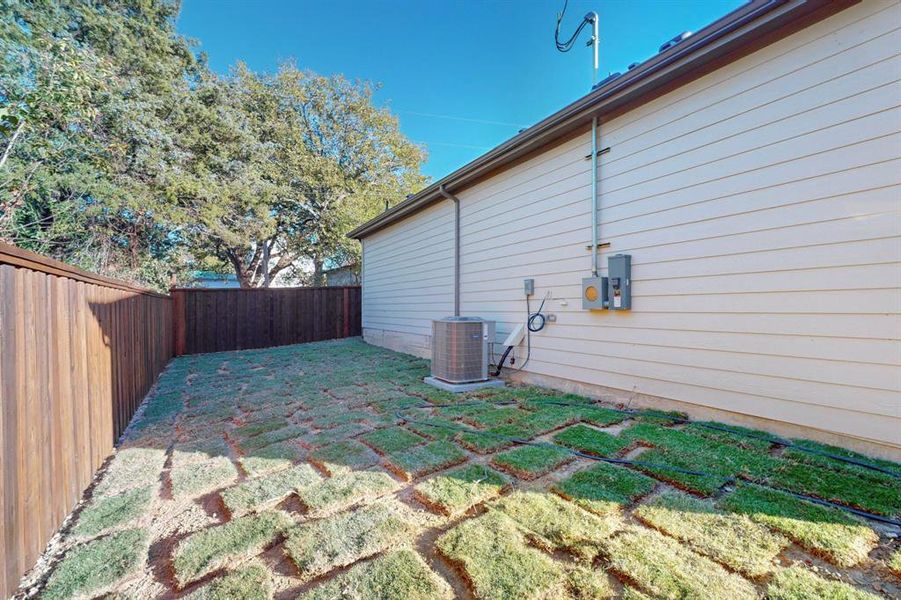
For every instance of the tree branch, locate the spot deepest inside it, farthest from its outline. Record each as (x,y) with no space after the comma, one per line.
(9,145)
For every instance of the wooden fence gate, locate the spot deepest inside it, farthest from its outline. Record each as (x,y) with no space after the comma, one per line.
(214,320)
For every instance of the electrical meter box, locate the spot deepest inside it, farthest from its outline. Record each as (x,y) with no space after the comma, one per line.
(619,282)
(594,293)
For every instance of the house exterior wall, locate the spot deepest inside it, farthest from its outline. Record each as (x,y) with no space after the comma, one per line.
(408,280)
(761,205)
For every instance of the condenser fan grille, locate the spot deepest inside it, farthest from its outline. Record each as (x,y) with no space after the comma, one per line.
(459,350)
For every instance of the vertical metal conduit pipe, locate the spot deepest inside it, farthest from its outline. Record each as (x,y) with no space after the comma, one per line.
(595,21)
(594,197)
(456,201)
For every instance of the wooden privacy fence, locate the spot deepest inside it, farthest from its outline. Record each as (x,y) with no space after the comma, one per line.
(78,352)
(213,320)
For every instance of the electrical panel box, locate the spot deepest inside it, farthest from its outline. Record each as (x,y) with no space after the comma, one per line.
(528,286)
(594,293)
(619,282)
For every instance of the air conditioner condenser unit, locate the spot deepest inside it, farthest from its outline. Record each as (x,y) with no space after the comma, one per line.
(461,349)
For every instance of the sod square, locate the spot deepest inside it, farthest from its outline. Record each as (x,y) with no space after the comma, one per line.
(701,484)
(555,524)
(391,439)
(111,511)
(253,582)
(343,455)
(210,549)
(398,575)
(548,418)
(331,417)
(273,457)
(843,487)
(796,453)
(754,439)
(196,478)
(292,432)
(604,488)
(797,583)
(685,450)
(588,583)
(663,567)
(827,532)
(600,416)
(455,492)
(494,439)
(345,490)
(325,544)
(434,428)
(132,468)
(335,434)
(487,416)
(90,567)
(422,460)
(257,427)
(162,408)
(210,411)
(199,450)
(391,405)
(258,494)
(531,462)
(497,559)
(591,441)
(730,539)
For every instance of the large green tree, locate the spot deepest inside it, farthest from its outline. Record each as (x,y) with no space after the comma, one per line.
(281,167)
(88,91)
(122,153)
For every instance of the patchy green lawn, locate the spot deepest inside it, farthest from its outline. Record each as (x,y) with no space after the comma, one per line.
(329,470)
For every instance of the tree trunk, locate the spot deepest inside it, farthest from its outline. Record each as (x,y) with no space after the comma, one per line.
(266,277)
(318,274)
(243,275)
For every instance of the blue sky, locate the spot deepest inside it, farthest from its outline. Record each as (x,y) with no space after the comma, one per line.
(461,76)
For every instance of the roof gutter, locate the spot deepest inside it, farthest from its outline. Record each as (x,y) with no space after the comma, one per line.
(737,29)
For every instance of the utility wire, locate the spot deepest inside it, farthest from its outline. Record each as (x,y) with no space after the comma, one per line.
(568,44)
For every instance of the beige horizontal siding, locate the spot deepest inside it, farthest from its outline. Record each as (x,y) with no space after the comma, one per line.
(408,280)
(761,205)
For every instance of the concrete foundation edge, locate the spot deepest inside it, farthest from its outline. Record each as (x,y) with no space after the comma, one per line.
(460,388)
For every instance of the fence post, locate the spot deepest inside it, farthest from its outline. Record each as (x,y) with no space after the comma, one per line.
(346,312)
(178,321)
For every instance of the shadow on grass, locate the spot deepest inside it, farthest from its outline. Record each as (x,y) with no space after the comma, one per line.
(322,432)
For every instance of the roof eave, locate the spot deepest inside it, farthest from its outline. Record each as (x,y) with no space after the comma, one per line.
(733,31)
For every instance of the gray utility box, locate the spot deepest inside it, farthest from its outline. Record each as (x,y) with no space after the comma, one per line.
(619,282)
(594,293)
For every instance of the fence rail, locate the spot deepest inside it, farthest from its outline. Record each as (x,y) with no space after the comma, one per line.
(78,352)
(214,320)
